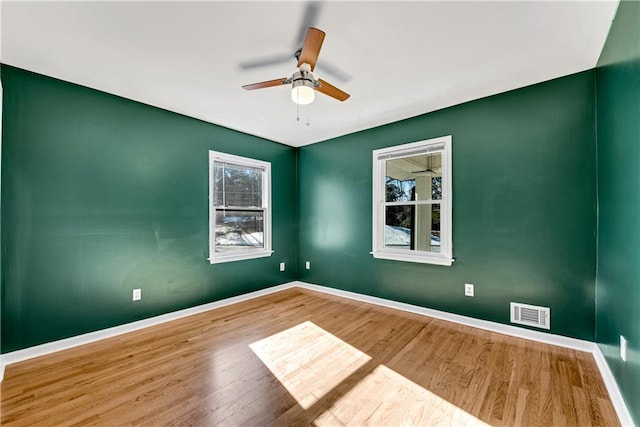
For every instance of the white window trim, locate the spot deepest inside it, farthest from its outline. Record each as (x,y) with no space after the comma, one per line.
(445,257)
(214,257)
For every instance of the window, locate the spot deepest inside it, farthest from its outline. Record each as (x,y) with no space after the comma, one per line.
(412,202)
(239,208)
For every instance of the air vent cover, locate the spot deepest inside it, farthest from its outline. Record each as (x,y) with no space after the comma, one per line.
(531,315)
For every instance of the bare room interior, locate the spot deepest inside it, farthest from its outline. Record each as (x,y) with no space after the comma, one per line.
(320,213)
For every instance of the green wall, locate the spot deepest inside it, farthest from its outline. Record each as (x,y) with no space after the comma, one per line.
(101,195)
(618,277)
(524,208)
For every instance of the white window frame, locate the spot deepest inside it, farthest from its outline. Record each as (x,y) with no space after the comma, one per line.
(435,145)
(249,253)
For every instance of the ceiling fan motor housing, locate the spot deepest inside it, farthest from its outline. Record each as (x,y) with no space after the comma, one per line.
(303,78)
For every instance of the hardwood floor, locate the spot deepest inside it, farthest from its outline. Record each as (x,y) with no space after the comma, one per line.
(298,357)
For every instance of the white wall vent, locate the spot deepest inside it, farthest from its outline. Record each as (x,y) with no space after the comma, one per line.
(531,315)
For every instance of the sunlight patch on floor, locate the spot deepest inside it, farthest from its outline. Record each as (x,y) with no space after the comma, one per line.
(384,397)
(308,361)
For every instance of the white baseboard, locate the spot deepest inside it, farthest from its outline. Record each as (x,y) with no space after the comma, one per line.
(612,387)
(515,331)
(64,344)
(573,343)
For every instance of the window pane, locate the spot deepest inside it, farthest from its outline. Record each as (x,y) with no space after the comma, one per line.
(436,188)
(414,178)
(398,190)
(428,228)
(218,189)
(398,227)
(238,230)
(238,186)
(413,227)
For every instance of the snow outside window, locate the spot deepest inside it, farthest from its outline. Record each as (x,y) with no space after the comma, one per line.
(239,208)
(412,202)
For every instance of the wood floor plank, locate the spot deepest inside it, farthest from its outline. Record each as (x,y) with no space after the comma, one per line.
(299,357)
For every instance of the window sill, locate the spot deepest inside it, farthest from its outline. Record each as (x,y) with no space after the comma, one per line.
(239,257)
(437,260)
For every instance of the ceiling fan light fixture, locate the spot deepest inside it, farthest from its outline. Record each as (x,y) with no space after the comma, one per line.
(302,94)
(303,88)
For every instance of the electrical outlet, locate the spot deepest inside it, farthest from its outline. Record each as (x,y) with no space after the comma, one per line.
(137,294)
(623,348)
(282,266)
(307,265)
(468,289)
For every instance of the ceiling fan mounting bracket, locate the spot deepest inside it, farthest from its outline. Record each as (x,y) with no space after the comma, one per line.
(305,68)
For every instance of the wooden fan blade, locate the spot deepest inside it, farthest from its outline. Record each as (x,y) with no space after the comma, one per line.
(268,83)
(332,91)
(311,47)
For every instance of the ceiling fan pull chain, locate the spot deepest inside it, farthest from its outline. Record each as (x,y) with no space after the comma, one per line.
(308,121)
(297,112)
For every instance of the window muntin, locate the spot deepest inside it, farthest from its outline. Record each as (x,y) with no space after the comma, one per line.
(239,211)
(412,202)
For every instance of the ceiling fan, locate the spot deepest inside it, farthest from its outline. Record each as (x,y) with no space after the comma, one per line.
(303,83)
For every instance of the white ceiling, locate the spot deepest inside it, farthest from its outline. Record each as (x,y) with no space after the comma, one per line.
(405,58)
